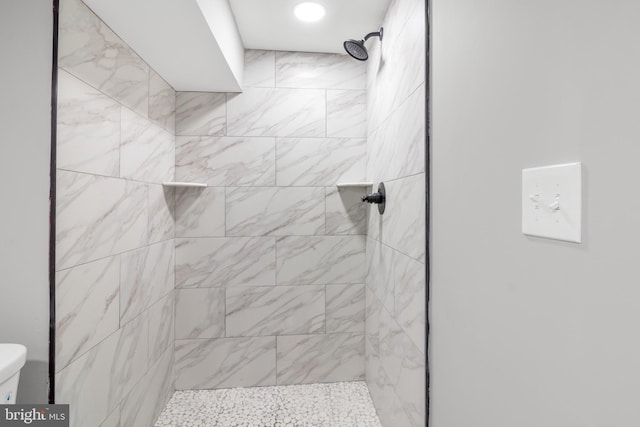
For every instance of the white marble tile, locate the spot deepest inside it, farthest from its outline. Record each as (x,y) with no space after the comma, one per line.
(142,406)
(345,308)
(347,113)
(161,327)
(305,260)
(146,275)
(87,307)
(389,87)
(213,262)
(98,217)
(161,213)
(343,404)
(162,103)
(277,112)
(397,147)
(259,68)
(380,272)
(275,310)
(410,298)
(387,402)
(404,219)
(201,113)
(404,366)
(95,383)
(319,71)
(320,161)
(304,359)
(112,420)
(200,212)
(88,128)
(147,152)
(89,50)
(345,211)
(276,211)
(225,362)
(230,161)
(200,313)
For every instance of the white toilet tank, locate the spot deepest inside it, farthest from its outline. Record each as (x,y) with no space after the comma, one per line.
(12,359)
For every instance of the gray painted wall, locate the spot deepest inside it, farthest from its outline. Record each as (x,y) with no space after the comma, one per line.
(25,84)
(528,331)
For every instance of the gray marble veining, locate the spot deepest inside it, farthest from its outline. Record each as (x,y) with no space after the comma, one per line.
(275,310)
(147,152)
(345,307)
(347,113)
(161,213)
(161,327)
(200,313)
(259,68)
(319,71)
(410,298)
(146,275)
(113,420)
(305,260)
(96,382)
(345,211)
(225,363)
(145,402)
(200,212)
(404,220)
(231,161)
(404,366)
(304,359)
(88,128)
(396,149)
(200,113)
(263,211)
(98,217)
(380,272)
(162,103)
(320,161)
(89,50)
(277,112)
(87,307)
(230,261)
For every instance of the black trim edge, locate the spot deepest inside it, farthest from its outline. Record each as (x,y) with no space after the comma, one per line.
(427,165)
(52,208)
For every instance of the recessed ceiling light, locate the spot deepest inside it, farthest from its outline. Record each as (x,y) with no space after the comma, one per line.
(309,11)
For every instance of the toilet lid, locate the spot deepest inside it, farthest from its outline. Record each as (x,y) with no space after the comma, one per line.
(12,358)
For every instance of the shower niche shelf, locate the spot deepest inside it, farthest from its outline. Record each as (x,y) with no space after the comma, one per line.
(184,184)
(354,184)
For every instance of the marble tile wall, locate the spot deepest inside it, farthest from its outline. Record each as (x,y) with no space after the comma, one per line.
(115,228)
(270,258)
(395,247)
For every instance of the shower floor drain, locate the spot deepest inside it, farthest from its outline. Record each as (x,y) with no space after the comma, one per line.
(345,404)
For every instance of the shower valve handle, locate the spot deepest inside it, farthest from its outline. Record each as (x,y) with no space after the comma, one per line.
(376,198)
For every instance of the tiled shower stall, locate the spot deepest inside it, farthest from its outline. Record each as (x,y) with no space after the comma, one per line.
(270,275)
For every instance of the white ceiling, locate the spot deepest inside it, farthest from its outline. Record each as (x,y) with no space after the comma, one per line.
(178,41)
(271,24)
(197,45)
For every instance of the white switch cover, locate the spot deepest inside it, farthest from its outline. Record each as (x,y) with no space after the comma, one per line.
(552,202)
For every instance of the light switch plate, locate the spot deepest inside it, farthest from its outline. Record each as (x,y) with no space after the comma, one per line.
(552,202)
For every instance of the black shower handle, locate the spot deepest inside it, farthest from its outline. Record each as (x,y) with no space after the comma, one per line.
(376,198)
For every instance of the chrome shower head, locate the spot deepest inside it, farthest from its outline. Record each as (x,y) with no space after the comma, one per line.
(356,48)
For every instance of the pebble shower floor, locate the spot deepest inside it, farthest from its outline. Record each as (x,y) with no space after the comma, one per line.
(346,404)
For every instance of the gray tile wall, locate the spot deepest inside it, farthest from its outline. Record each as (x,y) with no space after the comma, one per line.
(270,258)
(115,228)
(395,248)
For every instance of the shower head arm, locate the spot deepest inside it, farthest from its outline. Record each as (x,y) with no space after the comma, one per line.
(374,34)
